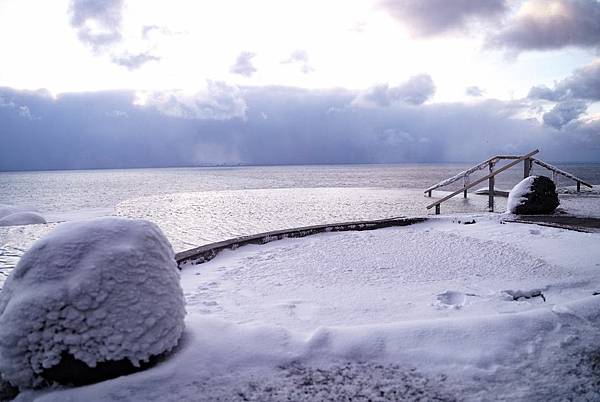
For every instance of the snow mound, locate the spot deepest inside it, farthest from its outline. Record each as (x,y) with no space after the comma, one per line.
(104,289)
(6,210)
(22,218)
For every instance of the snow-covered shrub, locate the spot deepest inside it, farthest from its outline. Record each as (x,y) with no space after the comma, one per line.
(533,195)
(100,290)
(22,218)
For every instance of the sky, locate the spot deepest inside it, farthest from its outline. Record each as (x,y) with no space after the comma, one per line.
(139,83)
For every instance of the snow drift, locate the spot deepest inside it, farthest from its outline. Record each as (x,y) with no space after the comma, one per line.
(100,290)
(12,216)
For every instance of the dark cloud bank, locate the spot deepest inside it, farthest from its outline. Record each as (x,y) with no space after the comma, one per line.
(573,23)
(268,125)
(435,17)
(546,26)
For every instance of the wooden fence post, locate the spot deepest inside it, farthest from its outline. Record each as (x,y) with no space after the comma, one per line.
(526,168)
(491,189)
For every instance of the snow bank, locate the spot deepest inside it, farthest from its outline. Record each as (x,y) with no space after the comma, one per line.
(100,290)
(11,216)
(517,195)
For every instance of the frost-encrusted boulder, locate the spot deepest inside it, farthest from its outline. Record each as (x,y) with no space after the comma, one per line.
(22,218)
(532,196)
(90,300)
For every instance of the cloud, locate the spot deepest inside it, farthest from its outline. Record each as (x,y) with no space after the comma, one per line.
(582,84)
(98,22)
(117,114)
(415,91)
(148,30)
(219,101)
(474,91)
(545,25)
(299,57)
(243,64)
(80,130)
(434,17)
(20,110)
(133,61)
(564,113)
(571,95)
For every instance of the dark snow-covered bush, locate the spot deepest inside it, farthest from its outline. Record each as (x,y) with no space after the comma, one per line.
(89,295)
(533,195)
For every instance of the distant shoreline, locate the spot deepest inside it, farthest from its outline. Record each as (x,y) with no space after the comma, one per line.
(240,165)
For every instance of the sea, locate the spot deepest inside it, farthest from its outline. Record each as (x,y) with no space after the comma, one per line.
(199,205)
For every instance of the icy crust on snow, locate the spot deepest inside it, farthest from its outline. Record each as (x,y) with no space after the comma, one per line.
(517,195)
(101,289)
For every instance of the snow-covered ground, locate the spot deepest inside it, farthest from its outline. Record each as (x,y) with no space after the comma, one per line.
(439,310)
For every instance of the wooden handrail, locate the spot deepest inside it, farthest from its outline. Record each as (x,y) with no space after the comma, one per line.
(467,172)
(500,170)
(561,172)
(462,174)
(497,158)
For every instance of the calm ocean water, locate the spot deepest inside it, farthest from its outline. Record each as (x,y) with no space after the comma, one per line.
(194,206)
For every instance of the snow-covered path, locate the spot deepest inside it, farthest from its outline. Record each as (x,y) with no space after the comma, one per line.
(435,310)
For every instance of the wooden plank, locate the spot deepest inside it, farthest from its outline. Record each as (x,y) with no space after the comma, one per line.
(460,175)
(502,169)
(473,169)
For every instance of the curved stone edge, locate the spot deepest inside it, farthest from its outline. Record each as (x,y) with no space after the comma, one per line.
(209,251)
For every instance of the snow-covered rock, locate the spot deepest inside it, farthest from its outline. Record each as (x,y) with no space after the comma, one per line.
(97,291)
(8,210)
(11,215)
(533,195)
(22,218)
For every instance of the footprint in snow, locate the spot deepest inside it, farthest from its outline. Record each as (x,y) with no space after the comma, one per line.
(451,299)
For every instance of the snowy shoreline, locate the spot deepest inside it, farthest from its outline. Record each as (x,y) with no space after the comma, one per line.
(448,310)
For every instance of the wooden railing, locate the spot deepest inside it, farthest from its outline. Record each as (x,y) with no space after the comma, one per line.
(528,160)
(490,177)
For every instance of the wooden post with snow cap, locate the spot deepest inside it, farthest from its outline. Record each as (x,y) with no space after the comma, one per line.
(491,181)
(527,168)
